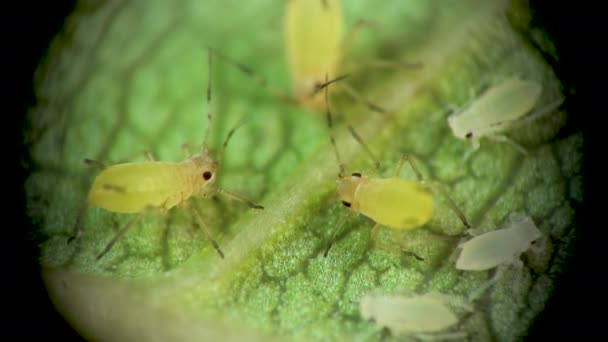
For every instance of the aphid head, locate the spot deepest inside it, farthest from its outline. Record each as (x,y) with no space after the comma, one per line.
(207,168)
(347,186)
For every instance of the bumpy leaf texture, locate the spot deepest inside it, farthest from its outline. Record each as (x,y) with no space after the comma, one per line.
(125,77)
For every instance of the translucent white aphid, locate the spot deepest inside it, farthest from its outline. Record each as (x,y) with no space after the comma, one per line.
(415,315)
(498,247)
(497,109)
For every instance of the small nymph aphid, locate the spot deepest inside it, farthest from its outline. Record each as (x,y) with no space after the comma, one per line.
(498,247)
(136,188)
(498,109)
(394,202)
(314,47)
(416,316)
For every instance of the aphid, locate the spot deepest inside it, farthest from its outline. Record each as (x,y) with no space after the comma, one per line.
(314,46)
(393,202)
(498,247)
(498,109)
(136,188)
(411,316)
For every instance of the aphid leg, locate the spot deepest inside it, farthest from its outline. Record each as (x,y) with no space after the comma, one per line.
(546,109)
(379,244)
(434,184)
(380,63)
(123,230)
(205,230)
(330,127)
(356,96)
(247,71)
(478,292)
(77,231)
(505,140)
(95,163)
(237,197)
(474,147)
(365,147)
(334,235)
(353,32)
(456,335)
(148,156)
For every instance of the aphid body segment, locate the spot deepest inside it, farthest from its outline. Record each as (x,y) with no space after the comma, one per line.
(393,202)
(497,247)
(408,315)
(313,43)
(498,109)
(132,187)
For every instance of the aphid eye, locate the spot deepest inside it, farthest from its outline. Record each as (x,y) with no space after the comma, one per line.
(207,175)
(346,204)
(469,135)
(356,174)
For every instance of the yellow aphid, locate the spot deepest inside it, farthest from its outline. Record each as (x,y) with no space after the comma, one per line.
(313,45)
(131,187)
(394,202)
(136,188)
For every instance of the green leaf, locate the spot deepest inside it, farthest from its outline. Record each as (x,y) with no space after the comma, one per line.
(126,77)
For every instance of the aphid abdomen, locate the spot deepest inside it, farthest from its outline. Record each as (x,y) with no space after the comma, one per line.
(394,202)
(496,108)
(407,314)
(494,248)
(131,187)
(313,37)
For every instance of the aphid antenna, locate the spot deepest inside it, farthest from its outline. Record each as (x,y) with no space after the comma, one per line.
(365,147)
(324,85)
(205,148)
(239,123)
(356,96)
(543,111)
(334,235)
(261,81)
(330,127)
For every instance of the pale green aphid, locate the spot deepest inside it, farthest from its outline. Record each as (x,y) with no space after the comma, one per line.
(421,316)
(498,247)
(136,188)
(497,109)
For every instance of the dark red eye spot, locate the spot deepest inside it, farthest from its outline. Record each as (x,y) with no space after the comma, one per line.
(346,204)
(356,174)
(207,175)
(469,135)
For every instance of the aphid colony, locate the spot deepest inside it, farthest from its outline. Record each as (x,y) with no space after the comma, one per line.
(393,202)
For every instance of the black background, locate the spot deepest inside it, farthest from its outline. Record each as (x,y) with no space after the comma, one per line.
(570,312)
